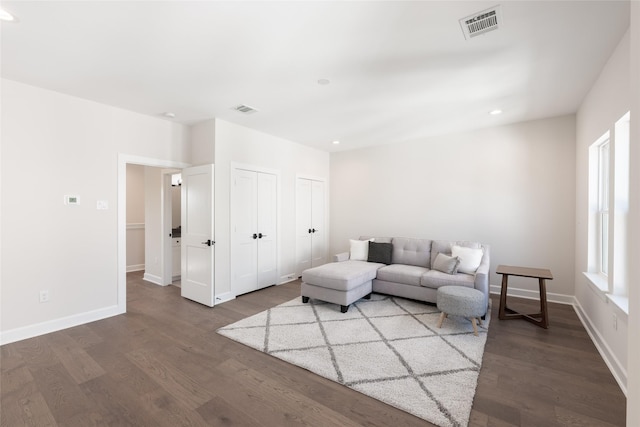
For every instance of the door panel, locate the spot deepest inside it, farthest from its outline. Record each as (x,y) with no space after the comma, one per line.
(318,246)
(303,225)
(267,227)
(197,230)
(244,226)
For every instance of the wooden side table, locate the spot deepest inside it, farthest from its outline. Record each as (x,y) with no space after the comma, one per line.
(542,318)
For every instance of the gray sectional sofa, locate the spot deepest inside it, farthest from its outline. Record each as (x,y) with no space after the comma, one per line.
(408,273)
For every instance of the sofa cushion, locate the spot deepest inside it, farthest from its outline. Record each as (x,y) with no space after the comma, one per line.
(412,251)
(341,275)
(435,279)
(380,252)
(444,246)
(446,264)
(470,258)
(359,250)
(402,273)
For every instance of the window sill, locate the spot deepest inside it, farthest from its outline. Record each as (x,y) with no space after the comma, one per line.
(600,286)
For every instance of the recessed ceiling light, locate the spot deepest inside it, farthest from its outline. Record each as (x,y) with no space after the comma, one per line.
(324,82)
(495,112)
(169,115)
(336,142)
(7,17)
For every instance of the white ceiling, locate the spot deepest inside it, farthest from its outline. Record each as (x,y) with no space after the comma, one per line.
(399,71)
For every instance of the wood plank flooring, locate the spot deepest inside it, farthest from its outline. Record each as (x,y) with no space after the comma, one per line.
(162,364)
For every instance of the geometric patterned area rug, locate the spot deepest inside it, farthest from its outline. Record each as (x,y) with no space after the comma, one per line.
(388,348)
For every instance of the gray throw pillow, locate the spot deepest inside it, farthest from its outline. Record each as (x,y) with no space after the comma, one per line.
(446,264)
(380,252)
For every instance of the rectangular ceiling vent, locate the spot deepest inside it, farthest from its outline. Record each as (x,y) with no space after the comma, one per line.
(245,109)
(481,22)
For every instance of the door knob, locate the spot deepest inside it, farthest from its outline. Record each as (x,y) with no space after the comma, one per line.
(313,230)
(255,236)
(209,242)
(260,235)
(310,231)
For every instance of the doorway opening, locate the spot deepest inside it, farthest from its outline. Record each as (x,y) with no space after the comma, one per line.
(162,237)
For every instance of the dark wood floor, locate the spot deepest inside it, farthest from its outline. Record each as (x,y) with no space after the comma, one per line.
(162,364)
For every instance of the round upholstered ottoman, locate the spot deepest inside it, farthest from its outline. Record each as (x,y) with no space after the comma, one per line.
(461,301)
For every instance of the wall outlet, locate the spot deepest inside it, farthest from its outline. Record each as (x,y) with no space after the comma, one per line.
(615,322)
(44,296)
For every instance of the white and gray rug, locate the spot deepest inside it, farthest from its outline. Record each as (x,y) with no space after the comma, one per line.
(388,348)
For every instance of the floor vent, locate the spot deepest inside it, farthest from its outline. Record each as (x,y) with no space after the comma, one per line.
(481,22)
(245,109)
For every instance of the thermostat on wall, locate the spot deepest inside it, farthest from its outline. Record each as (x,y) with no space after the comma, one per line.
(71,200)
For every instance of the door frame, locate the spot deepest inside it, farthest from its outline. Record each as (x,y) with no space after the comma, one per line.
(123,160)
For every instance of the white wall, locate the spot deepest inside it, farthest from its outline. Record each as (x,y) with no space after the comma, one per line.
(234,143)
(510,187)
(135,217)
(55,144)
(607,101)
(203,142)
(633,369)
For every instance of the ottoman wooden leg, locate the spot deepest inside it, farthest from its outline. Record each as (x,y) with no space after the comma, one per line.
(344,308)
(442,316)
(305,300)
(475,327)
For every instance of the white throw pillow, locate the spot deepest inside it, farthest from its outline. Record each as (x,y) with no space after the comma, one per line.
(359,250)
(470,258)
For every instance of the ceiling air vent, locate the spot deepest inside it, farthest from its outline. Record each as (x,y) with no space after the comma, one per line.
(481,22)
(245,109)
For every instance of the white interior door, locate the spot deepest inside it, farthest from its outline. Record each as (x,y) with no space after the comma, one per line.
(267,229)
(198,234)
(244,226)
(303,224)
(318,233)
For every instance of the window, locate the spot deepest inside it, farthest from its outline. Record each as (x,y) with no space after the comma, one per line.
(608,246)
(603,208)
(620,208)
(598,262)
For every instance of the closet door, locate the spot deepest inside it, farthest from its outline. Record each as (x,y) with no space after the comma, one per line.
(303,225)
(244,217)
(318,233)
(310,224)
(254,231)
(266,228)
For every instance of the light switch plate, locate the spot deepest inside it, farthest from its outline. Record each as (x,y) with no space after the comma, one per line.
(102,205)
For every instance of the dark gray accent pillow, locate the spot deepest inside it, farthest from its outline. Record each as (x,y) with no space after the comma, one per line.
(446,263)
(380,252)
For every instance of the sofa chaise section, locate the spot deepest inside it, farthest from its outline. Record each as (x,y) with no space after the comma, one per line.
(340,283)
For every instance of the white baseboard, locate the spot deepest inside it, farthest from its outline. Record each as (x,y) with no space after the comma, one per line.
(617,370)
(153,279)
(528,294)
(31,331)
(288,278)
(227,296)
(135,267)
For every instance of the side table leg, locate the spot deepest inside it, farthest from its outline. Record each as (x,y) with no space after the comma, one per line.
(503,296)
(544,321)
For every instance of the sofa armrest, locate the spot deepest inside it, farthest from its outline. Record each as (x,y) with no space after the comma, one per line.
(481,281)
(342,256)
